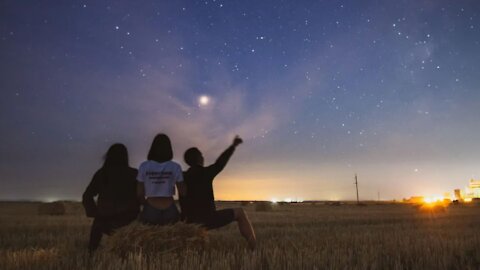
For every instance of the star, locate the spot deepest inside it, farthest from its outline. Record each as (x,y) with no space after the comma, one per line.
(203,100)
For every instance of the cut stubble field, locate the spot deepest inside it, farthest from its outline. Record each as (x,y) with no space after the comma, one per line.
(292,236)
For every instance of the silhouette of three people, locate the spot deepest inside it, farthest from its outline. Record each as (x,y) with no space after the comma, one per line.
(122,189)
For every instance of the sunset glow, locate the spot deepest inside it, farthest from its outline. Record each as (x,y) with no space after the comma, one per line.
(433,199)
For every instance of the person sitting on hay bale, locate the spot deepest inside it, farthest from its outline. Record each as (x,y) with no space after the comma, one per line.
(199,205)
(117,204)
(157,178)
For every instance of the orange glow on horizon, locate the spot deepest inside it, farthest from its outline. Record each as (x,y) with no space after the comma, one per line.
(433,199)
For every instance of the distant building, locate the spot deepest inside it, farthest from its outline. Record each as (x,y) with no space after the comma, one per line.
(414,200)
(458,195)
(473,189)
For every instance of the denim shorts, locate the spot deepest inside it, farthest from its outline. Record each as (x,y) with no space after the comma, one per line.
(155,216)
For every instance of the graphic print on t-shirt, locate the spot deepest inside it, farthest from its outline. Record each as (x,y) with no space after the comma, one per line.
(157,177)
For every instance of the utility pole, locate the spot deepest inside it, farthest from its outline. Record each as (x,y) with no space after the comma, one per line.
(378,198)
(356,185)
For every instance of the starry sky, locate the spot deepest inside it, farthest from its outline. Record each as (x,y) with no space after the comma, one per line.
(319,90)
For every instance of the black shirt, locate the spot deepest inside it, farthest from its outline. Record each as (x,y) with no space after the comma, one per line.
(116,190)
(199,203)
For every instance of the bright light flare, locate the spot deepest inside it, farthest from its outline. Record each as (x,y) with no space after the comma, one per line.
(433,199)
(435,204)
(203,100)
(467,200)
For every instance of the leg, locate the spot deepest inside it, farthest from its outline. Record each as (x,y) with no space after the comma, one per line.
(118,222)
(245,227)
(171,215)
(96,233)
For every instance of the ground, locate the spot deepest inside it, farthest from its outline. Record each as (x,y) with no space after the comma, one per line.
(292,236)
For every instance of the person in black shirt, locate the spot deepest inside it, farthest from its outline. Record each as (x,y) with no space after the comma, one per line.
(199,205)
(117,204)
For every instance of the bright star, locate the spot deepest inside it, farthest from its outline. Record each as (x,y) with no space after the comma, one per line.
(203,100)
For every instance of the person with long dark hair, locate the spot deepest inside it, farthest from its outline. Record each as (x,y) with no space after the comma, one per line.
(157,178)
(117,205)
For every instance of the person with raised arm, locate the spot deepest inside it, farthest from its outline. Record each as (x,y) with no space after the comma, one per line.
(199,205)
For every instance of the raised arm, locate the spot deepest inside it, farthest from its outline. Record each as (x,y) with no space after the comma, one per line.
(222,160)
(88,196)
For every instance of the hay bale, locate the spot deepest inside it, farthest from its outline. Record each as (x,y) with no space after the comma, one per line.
(263,206)
(53,209)
(154,239)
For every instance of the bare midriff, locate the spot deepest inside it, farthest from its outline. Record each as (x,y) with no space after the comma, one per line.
(160,202)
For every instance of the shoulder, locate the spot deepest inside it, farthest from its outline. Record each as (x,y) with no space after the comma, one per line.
(196,170)
(175,165)
(212,168)
(144,164)
(98,173)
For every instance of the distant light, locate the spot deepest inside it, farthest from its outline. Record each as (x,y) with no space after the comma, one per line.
(433,199)
(467,200)
(50,199)
(274,200)
(288,200)
(204,100)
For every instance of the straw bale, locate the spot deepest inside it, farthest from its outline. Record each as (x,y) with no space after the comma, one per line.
(154,239)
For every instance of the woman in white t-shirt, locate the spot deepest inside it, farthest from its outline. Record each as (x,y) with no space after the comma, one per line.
(157,178)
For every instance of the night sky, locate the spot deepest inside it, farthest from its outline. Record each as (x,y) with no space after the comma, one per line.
(319,90)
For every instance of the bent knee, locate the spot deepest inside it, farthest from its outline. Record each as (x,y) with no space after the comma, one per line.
(239,213)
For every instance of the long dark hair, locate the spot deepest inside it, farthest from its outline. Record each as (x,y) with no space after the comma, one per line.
(116,156)
(161,149)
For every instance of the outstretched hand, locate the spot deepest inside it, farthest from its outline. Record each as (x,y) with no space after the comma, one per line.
(237,141)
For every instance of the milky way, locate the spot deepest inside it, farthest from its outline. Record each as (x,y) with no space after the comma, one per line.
(320,90)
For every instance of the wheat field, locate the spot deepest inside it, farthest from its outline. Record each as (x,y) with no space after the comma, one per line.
(292,236)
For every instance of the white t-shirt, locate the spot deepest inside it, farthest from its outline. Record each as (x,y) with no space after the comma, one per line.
(159,178)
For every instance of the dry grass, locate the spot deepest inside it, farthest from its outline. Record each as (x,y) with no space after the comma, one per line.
(154,240)
(52,208)
(28,257)
(263,206)
(300,236)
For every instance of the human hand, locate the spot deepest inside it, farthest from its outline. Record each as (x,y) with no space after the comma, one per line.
(237,141)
